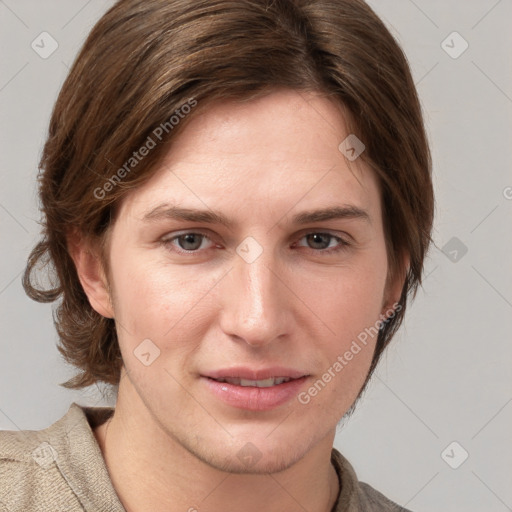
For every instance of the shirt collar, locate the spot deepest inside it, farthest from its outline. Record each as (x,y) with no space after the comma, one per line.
(79,458)
(81,463)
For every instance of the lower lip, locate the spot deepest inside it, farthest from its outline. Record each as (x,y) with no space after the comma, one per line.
(253,398)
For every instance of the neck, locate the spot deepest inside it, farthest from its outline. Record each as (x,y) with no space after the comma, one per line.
(150,470)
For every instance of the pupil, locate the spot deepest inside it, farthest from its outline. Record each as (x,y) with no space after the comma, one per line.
(187,242)
(319,238)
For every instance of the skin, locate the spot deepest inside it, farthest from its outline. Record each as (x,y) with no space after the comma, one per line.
(259,164)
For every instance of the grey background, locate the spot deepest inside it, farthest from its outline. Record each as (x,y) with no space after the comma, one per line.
(446,377)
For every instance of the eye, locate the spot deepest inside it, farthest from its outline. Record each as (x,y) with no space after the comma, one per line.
(194,242)
(187,242)
(324,242)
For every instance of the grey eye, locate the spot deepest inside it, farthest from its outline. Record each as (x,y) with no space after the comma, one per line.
(190,241)
(319,240)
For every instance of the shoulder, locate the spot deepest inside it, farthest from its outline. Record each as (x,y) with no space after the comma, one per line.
(373,500)
(37,448)
(356,496)
(28,471)
(43,469)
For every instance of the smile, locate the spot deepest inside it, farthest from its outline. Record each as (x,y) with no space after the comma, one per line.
(264,383)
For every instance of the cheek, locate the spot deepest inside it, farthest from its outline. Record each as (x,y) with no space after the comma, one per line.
(351,309)
(348,300)
(350,304)
(153,300)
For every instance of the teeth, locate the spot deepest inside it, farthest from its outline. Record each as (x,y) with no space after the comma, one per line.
(265,383)
(280,380)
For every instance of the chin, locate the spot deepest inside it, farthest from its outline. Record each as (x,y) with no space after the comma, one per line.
(249,460)
(252,454)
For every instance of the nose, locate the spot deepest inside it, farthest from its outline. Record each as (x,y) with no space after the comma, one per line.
(256,305)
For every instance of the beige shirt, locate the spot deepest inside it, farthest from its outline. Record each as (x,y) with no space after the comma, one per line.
(61,468)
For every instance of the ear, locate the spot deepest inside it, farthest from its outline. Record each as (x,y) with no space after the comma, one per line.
(394,285)
(91,274)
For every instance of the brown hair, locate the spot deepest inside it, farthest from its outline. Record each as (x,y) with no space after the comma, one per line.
(146,59)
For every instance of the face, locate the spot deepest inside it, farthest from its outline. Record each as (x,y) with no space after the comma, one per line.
(242,274)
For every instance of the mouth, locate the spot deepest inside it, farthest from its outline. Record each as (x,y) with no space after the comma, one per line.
(255,390)
(263,383)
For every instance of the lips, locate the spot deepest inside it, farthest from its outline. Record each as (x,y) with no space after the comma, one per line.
(263,383)
(255,375)
(255,390)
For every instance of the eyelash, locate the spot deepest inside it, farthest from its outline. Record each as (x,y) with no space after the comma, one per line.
(342,244)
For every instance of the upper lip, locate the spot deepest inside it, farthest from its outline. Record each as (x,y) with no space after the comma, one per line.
(241,372)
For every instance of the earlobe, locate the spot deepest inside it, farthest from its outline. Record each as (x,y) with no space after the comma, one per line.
(91,274)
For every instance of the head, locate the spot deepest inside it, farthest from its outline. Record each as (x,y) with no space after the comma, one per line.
(248,111)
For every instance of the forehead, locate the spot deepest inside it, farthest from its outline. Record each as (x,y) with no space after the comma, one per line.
(278,151)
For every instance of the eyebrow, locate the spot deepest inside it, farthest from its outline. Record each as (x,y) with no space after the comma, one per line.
(166,211)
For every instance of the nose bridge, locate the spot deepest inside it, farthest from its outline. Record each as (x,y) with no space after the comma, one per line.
(254,310)
(259,283)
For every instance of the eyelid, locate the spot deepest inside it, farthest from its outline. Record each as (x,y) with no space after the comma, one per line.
(182,232)
(340,235)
